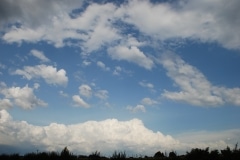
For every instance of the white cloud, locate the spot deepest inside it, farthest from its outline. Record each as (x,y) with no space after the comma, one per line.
(102,94)
(95,22)
(107,136)
(95,26)
(24,12)
(216,21)
(194,87)
(131,54)
(85,90)
(87,29)
(49,73)
(104,136)
(148,101)
(79,102)
(137,108)
(62,93)
(22,97)
(102,66)
(86,63)
(117,70)
(5,103)
(36,85)
(145,84)
(40,55)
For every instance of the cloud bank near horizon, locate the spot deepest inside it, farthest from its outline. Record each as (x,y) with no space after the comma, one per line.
(105,136)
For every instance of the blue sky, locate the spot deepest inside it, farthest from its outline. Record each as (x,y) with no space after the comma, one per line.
(139,76)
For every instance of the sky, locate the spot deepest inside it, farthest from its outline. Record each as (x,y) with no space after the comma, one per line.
(137,76)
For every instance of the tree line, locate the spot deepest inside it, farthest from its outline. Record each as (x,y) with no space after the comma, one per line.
(194,154)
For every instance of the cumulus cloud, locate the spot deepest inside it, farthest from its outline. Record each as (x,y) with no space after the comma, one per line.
(111,135)
(22,97)
(131,54)
(117,70)
(79,102)
(87,28)
(131,136)
(40,55)
(102,94)
(24,12)
(148,101)
(137,108)
(85,90)
(5,103)
(195,89)
(86,63)
(49,73)
(102,66)
(147,85)
(95,26)
(216,20)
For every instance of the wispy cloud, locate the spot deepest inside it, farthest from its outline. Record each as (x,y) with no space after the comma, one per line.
(40,55)
(148,101)
(195,89)
(62,93)
(147,85)
(137,108)
(79,102)
(102,94)
(102,66)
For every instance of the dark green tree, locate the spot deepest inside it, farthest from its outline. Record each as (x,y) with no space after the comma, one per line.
(159,155)
(214,155)
(198,154)
(226,153)
(66,155)
(118,155)
(173,155)
(95,156)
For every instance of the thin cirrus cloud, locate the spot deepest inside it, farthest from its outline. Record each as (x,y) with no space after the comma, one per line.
(40,55)
(194,87)
(50,74)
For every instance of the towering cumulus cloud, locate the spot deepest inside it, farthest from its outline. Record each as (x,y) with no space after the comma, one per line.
(105,136)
